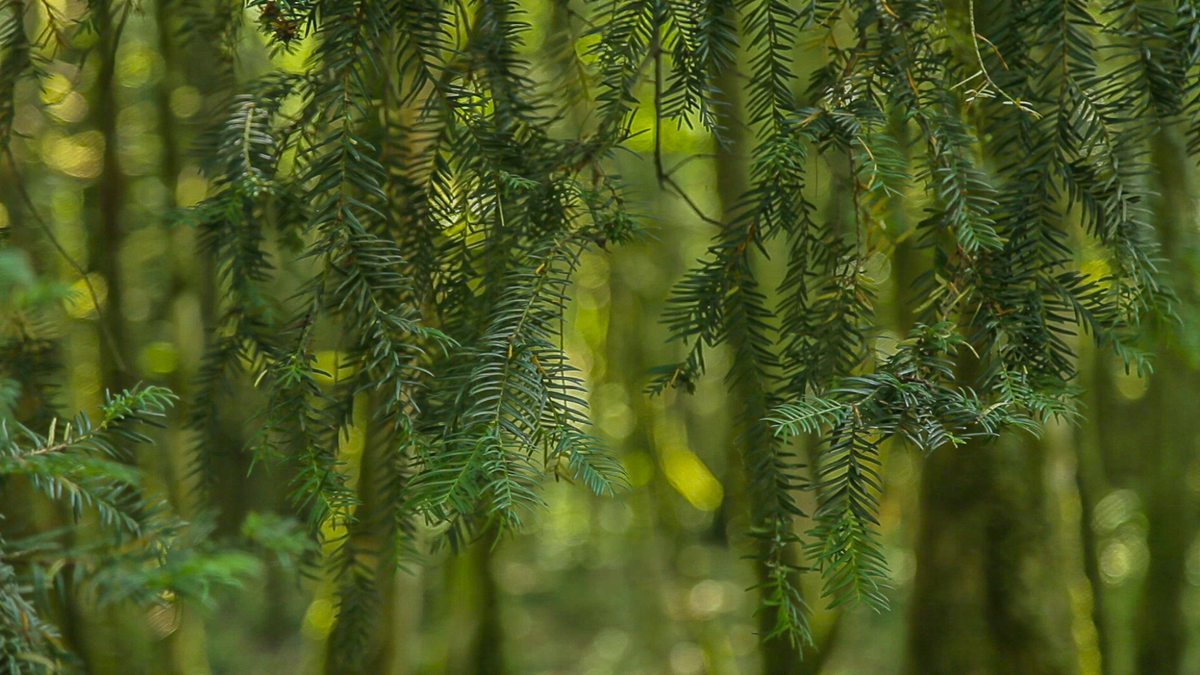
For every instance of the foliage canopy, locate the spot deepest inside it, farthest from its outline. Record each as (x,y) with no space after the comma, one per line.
(435,197)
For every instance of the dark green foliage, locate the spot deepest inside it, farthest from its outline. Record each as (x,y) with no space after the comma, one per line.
(912,395)
(424,200)
(137,551)
(140,553)
(439,248)
(1013,141)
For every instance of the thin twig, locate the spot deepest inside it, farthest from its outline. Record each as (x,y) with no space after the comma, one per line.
(656,51)
(670,182)
(691,158)
(49,232)
(1023,106)
(664,177)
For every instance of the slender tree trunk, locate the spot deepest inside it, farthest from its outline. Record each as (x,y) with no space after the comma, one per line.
(1170,509)
(184,647)
(105,639)
(632,335)
(1091,480)
(487,646)
(1170,432)
(779,656)
(167,128)
(358,643)
(988,596)
(108,234)
(400,623)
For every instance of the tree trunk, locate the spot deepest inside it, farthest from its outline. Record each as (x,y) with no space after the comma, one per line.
(108,634)
(487,646)
(988,596)
(1169,430)
(1170,509)
(779,656)
(108,235)
(1092,481)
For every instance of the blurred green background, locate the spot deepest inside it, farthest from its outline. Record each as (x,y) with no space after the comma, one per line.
(655,581)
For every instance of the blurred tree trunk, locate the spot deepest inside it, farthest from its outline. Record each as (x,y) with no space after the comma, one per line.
(185,646)
(469,607)
(779,656)
(110,632)
(362,640)
(1170,432)
(988,596)
(108,196)
(487,645)
(1169,429)
(1092,481)
(400,623)
(632,344)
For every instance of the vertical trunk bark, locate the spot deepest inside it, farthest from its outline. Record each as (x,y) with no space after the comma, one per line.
(779,657)
(108,234)
(1170,509)
(487,646)
(184,648)
(102,637)
(1091,479)
(1169,450)
(988,598)
(630,352)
